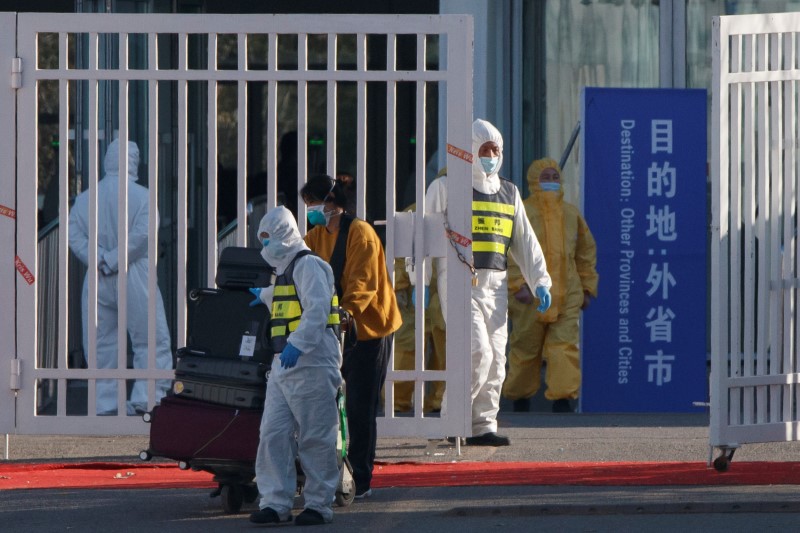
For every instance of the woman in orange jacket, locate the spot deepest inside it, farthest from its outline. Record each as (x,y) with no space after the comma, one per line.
(365,291)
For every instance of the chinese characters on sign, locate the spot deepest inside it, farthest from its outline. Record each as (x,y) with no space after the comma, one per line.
(645,200)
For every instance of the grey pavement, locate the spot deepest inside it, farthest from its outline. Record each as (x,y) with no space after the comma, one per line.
(535,437)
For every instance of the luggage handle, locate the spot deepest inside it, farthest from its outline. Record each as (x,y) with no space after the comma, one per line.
(195,294)
(191,351)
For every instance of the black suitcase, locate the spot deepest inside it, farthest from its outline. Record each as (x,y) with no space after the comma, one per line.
(196,364)
(220,392)
(242,269)
(223,324)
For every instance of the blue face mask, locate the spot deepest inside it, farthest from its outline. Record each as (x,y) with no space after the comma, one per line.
(316,215)
(265,242)
(550,186)
(490,164)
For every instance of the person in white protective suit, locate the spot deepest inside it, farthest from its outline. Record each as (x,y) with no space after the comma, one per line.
(138,305)
(499,227)
(300,412)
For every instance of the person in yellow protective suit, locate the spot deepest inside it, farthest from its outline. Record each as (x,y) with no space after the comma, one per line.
(552,336)
(404,338)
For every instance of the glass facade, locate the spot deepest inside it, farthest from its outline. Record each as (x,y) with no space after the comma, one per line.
(572,44)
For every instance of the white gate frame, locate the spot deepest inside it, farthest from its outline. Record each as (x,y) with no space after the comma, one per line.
(754,267)
(9,362)
(455,71)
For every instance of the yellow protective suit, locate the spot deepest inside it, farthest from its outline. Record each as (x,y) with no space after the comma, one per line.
(404,338)
(571,255)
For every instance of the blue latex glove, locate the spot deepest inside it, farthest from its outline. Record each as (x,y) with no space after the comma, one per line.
(257,293)
(289,356)
(426,299)
(543,293)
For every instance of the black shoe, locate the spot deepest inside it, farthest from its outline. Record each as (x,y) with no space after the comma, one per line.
(363,493)
(309,517)
(523,405)
(562,406)
(488,439)
(267,515)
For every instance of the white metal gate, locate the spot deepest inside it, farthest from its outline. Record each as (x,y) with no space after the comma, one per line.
(754,253)
(93,53)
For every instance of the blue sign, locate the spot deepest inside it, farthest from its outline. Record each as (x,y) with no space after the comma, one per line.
(644,179)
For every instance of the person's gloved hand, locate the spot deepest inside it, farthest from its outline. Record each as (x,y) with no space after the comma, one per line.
(257,293)
(289,356)
(426,299)
(103,267)
(543,293)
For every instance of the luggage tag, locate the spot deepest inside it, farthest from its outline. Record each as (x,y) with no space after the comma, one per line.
(248,347)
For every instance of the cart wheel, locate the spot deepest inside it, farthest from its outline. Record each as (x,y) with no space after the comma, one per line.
(147,417)
(346,491)
(232,498)
(250,493)
(145,455)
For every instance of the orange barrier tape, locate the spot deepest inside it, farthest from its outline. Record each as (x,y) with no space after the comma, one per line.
(459,153)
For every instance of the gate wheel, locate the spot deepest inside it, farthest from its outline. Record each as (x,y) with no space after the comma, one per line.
(722,462)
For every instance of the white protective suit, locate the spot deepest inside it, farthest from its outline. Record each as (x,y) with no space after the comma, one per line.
(108,267)
(300,412)
(490,297)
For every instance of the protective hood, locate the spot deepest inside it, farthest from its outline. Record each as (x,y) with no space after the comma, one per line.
(111,160)
(548,214)
(483,132)
(534,171)
(284,238)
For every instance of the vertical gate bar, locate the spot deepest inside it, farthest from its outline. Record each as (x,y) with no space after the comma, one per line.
(272,134)
(241,164)
(747,287)
(720,175)
(457,311)
(790,175)
(15,146)
(182,183)
(152,219)
(211,179)
(791,165)
(62,343)
(330,137)
(391,148)
(419,230)
(122,221)
(787,269)
(391,166)
(302,112)
(361,128)
(764,214)
(777,249)
(92,251)
(733,181)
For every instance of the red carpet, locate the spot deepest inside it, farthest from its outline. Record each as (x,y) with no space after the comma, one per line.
(142,475)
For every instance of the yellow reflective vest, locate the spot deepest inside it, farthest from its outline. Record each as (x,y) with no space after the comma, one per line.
(287,310)
(492,226)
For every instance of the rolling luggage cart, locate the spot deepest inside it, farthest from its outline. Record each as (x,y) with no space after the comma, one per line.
(211,421)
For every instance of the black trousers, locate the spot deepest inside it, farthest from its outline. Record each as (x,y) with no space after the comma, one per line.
(364,371)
